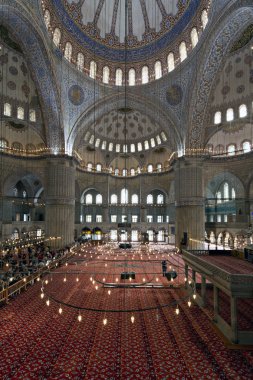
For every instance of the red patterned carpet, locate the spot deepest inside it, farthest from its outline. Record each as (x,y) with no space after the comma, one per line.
(39,343)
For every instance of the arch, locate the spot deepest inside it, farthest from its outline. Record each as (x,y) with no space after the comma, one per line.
(194,37)
(182,51)
(218,46)
(7,109)
(118,77)
(131,77)
(144,75)
(93,69)
(234,182)
(16,20)
(135,199)
(243,112)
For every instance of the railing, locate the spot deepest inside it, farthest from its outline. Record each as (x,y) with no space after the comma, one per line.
(198,152)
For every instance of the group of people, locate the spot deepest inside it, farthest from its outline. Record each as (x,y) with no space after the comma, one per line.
(16,263)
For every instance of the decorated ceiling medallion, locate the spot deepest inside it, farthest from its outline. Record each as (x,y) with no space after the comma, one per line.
(174,95)
(76,95)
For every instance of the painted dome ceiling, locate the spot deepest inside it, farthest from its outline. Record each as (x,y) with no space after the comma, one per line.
(101,25)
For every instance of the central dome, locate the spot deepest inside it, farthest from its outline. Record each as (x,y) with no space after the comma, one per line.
(108,27)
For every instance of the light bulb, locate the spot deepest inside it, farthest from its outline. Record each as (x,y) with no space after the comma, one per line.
(42,296)
(91,278)
(77,279)
(38,279)
(189,303)
(93,282)
(103,279)
(46,282)
(96,287)
(194,296)
(24,280)
(185,279)
(177,310)
(132,319)
(117,279)
(79,318)
(143,279)
(60,310)
(105,321)
(109,292)
(130,278)
(64,280)
(47,302)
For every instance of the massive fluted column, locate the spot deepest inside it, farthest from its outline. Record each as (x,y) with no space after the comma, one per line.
(60,201)
(189,196)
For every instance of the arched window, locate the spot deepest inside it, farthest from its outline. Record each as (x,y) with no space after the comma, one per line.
(139,147)
(230,114)
(160,199)
(116,171)
(124,172)
(204,18)
(158,139)
(20,113)
(118,77)
(163,136)
(144,75)
(217,117)
(93,69)
(110,147)
(125,149)
(68,51)
(243,110)
(87,136)
(194,37)
(7,109)
(150,199)
(114,199)
(131,77)
(47,18)
(150,168)
(106,74)
(218,197)
(158,70)
(80,61)
(132,171)
(138,170)
(24,193)
(135,199)
(15,192)
(146,145)
(17,145)
(124,196)
(246,146)
(182,51)
(226,191)
(97,142)
(233,193)
(88,199)
(132,148)
(30,147)
(99,167)
(231,150)
(103,146)
(219,149)
(171,62)
(32,115)
(91,141)
(117,148)
(57,37)
(89,166)
(3,144)
(152,142)
(99,199)
(159,167)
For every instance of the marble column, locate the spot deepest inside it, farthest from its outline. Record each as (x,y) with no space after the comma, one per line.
(60,201)
(189,202)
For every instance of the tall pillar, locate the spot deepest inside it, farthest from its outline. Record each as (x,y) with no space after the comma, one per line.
(60,202)
(189,196)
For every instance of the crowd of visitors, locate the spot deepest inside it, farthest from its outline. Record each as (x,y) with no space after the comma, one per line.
(16,263)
